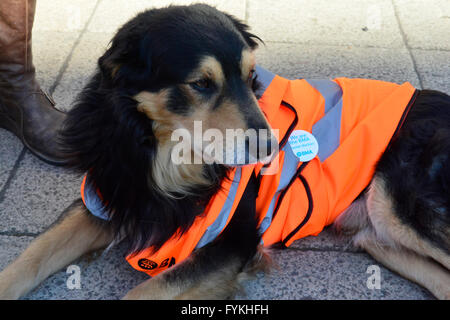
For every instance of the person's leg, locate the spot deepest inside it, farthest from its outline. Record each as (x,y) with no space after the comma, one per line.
(25,109)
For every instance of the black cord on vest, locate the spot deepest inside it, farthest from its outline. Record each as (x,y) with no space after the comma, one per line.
(308,213)
(291,127)
(286,136)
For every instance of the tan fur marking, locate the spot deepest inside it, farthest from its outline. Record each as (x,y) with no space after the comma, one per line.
(388,226)
(208,68)
(399,247)
(169,177)
(114,70)
(226,116)
(354,219)
(410,265)
(176,178)
(153,104)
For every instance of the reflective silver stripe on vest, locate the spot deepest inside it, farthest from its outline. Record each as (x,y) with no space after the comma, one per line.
(327,130)
(329,90)
(217,226)
(93,202)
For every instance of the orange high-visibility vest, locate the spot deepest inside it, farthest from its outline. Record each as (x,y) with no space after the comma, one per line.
(353,121)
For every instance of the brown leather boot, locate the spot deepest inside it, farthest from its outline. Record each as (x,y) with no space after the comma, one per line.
(25,109)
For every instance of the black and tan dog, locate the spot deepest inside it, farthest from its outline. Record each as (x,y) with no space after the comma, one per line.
(167,68)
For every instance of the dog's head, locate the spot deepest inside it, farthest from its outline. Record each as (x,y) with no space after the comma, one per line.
(191,71)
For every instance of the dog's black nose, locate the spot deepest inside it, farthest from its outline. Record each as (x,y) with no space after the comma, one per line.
(260,148)
(264,147)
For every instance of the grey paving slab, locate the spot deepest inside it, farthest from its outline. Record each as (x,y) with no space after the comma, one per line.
(350,22)
(36,196)
(426,23)
(80,68)
(112,14)
(103,276)
(50,50)
(56,28)
(11,247)
(326,240)
(63,16)
(328,275)
(434,68)
(310,61)
(10,148)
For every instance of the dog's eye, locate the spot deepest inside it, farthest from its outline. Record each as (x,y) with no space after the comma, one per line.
(251,77)
(253,82)
(202,84)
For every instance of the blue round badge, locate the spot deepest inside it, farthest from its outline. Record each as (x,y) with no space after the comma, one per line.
(304,145)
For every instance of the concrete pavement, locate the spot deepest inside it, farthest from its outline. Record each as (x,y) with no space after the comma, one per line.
(392,40)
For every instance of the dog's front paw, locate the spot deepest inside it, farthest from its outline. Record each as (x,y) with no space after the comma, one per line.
(442,293)
(7,290)
(154,289)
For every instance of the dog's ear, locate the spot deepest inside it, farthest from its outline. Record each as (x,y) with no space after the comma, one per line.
(128,61)
(250,38)
(109,63)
